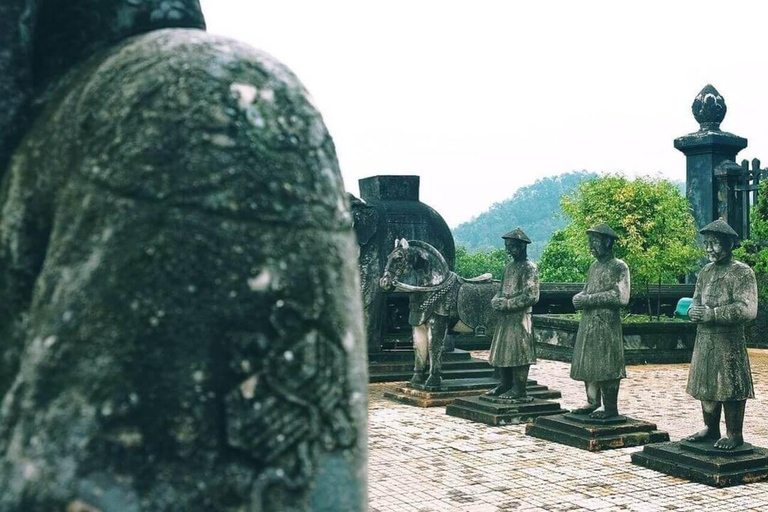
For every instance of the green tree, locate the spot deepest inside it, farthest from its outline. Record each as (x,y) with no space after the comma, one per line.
(473,264)
(754,251)
(561,262)
(657,238)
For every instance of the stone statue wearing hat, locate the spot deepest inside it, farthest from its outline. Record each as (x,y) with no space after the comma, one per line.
(512,349)
(724,300)
(598,355)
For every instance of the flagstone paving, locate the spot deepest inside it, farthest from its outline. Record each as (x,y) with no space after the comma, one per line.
(422,460)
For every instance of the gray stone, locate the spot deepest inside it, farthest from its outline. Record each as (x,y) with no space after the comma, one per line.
(720,377)
(513,350)
(389,209)
(703,463)
(598,353)
(709,108)
(453,389)
(496,411)
(595,434)
(644,343)
(181,322)
(420,270)
(724,301)
(705,149)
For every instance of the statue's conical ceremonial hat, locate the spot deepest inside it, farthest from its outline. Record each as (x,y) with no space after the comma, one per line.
(604,229)
(719,227)
(517,234)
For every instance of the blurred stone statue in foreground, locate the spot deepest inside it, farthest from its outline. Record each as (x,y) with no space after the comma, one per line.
(724,300)
(598,354)
(512,349)
(181,320)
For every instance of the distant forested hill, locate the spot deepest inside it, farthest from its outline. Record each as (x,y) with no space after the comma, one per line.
(535,208)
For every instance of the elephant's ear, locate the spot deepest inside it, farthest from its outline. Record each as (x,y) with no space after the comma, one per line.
(365,219)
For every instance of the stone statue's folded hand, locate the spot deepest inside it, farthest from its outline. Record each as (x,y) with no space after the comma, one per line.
(701,314)
(497,303)
(578,300)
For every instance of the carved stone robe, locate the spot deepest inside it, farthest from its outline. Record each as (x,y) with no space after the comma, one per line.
(720,365)
(598,354)
(513,343)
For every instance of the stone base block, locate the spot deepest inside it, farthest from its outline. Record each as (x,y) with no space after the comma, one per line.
(497,411)
(581,431)
(705,464)
(452,389)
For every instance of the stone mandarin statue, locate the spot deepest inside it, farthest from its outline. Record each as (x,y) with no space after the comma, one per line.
(598,355)
(724,300)
(180,317)
(512,349)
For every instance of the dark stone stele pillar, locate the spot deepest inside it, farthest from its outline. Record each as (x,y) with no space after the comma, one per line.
(391,210)
(180,314)
(704,151)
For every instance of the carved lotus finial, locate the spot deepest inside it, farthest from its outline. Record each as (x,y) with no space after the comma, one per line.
(709,108)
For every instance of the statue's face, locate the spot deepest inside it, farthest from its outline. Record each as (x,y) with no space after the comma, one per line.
(717,248)
(515,248)
(599,246)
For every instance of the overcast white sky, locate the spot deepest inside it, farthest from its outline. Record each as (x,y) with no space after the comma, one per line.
(482,97)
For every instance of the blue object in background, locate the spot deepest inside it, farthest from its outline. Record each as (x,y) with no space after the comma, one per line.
(683,305)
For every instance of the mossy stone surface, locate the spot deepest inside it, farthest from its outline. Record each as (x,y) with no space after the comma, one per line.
(181,318)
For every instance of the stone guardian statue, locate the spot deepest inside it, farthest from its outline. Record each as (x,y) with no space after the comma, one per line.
(598,355)
(724,300)
(512,349)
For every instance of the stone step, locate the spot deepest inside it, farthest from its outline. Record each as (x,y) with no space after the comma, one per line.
(458,388)
(708,466)
(481,410)
(595,435)
(449,374)
(402,367)
(406,355)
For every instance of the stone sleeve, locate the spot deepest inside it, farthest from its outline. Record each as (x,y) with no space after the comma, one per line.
(530,293)
(744,305)
(697,292)
(500,293)
(616,297)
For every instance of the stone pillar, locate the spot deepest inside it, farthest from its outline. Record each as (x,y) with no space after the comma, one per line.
(704,151)
(180,321)
(728,175)
(390,209)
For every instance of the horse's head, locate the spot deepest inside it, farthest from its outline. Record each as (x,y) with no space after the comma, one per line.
(415,264)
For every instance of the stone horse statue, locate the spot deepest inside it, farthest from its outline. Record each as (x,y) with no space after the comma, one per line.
(437,298)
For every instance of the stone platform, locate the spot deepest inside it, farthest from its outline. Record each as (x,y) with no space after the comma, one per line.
(581,431)
(453,389)
(496,411)
(705,464)
(397,366)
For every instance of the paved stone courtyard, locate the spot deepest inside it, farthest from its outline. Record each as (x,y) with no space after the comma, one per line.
(422,460)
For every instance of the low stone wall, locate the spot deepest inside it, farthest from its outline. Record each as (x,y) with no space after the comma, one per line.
(644,343)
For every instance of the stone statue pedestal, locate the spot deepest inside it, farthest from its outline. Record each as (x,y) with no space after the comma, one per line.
(397,366)
(581,431)
(497,411)
(450,390)
(703,463)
